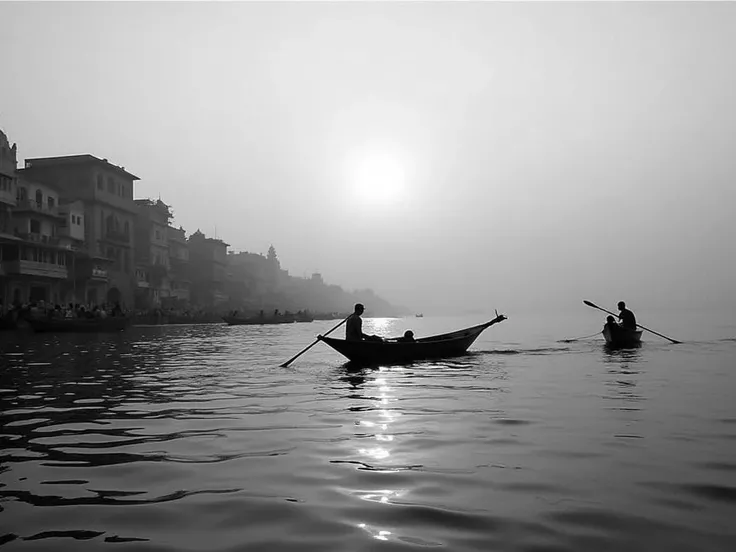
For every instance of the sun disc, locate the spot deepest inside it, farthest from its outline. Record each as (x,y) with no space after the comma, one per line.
(379,180)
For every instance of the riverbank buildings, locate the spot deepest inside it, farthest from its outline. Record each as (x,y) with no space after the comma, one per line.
(152,265)
(207,270)
(72,232)
(104,261)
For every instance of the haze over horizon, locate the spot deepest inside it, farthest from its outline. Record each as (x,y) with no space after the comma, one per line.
(450,156)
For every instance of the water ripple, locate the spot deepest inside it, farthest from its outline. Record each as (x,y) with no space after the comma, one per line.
(193,438)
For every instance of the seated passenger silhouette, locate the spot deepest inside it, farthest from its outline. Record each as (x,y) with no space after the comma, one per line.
(408,337)
(611,325)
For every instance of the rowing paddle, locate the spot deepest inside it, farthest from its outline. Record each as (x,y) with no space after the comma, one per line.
(292,359)
(642,327)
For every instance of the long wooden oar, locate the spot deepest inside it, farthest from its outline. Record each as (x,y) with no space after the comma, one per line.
(639,325)
(296,356)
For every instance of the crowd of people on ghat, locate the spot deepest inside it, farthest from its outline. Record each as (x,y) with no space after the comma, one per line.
(43,309)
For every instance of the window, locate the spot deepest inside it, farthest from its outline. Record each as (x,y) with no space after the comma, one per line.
(100,185)
(127,228)
(125,192)
(22,194)
(79,220)
(110,185)
(35,227)
(51,202)
(39,198)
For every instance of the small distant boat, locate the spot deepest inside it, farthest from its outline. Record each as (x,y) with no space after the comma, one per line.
(420,315)
(393,351)
(622,337)
(79,325)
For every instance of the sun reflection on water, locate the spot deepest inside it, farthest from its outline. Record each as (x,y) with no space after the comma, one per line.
(376,534)
(377,453)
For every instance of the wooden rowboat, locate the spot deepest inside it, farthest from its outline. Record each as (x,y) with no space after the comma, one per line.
(393,351)
(622,337)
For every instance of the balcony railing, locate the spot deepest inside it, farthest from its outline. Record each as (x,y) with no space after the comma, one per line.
(31,236)
(8,197)
(34,268)
(43,239)
(36,207)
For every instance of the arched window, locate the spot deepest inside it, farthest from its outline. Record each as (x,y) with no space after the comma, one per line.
(39,198)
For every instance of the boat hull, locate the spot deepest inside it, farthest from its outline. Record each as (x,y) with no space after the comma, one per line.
(79,325)
(396,352)
(622,337)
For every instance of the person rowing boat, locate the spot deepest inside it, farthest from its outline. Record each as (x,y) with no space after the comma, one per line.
(354,326)
(628,320)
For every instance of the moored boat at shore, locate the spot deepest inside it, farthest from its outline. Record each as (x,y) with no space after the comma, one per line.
(621,337)
(394,351)
(79,325)
(256,320)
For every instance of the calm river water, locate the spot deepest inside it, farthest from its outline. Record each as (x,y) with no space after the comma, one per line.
(191,438)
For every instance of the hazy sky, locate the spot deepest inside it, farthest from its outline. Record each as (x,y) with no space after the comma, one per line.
(508,155)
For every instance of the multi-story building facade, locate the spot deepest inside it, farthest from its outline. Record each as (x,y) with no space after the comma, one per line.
(179,260)
(106,192)
(87,277)
(8,166)
(152,253)
(207,269)
(35,264)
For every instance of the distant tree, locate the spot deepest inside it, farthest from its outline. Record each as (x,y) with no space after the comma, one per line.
(272,257)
